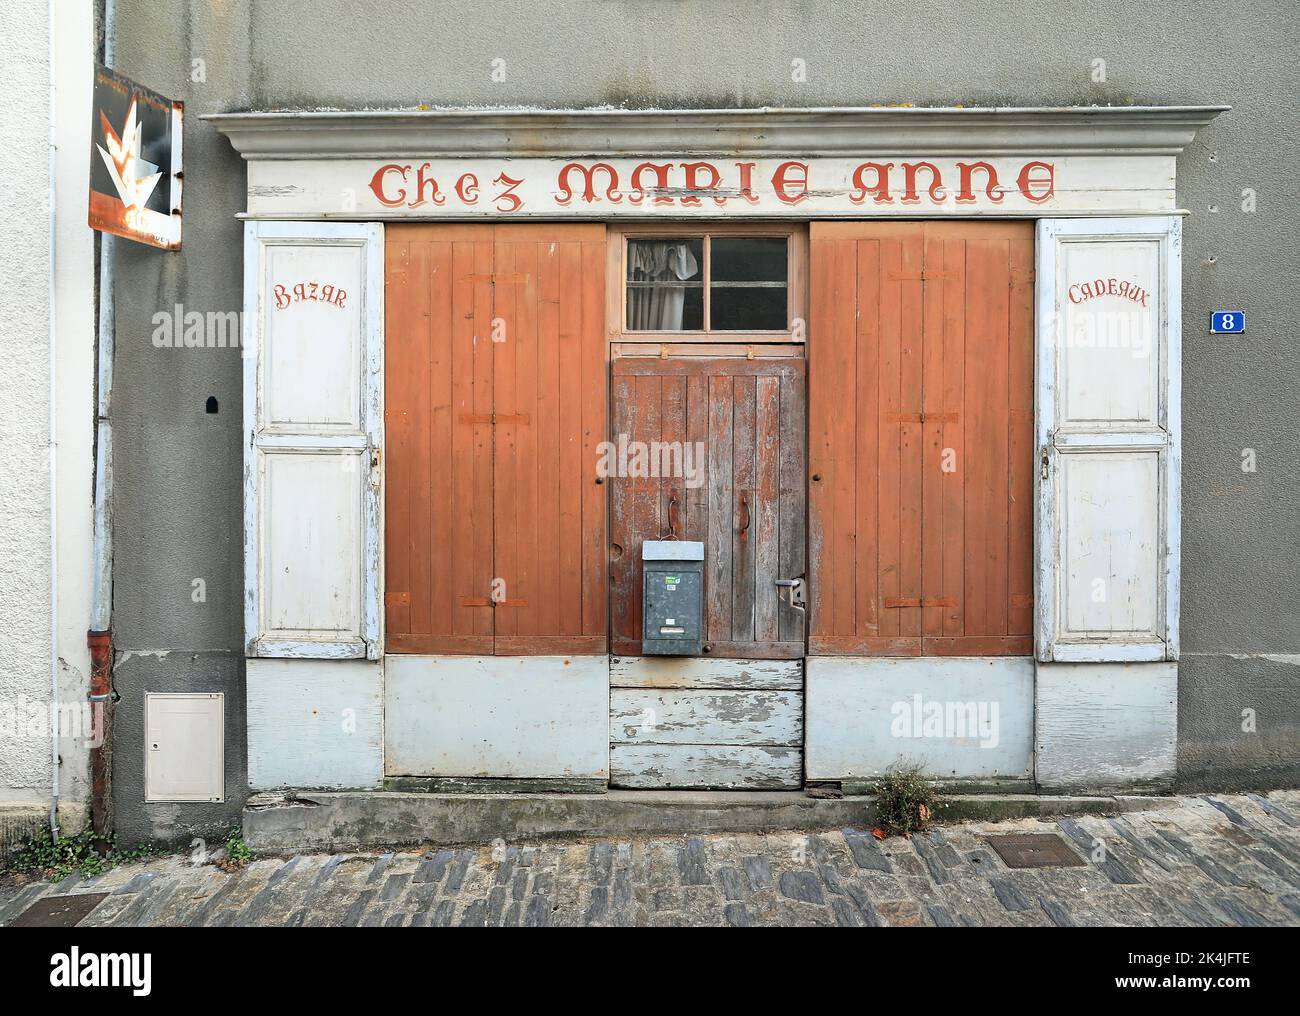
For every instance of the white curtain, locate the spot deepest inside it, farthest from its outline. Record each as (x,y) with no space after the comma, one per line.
(667,264)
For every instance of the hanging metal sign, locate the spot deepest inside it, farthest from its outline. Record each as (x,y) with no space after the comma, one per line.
(135,162)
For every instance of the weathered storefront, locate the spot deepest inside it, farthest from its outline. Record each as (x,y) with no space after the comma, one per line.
(896,392)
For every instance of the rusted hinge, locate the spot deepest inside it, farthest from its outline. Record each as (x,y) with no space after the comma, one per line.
(397,599)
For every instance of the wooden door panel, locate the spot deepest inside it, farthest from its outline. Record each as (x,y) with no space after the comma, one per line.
(921,403)
(438,555)
(549,510)
(496,407)
(744,501)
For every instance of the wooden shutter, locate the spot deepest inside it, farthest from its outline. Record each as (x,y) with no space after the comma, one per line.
(438,544)
(496,403)
(745,502)
(313,377)
(1109,357)
(921,431)
(550,391)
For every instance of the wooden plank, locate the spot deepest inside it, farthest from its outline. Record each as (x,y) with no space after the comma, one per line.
(442,428)
(550,479)
(595,429)
(840,417)
(766,508)
(793,500)
(821,522)
(671,672)
(953,484)
(501,340)
(709,716)
(479,506)
(889,533)
(911,449)
(569,545)
(704,767)
(743,509)
(399,424)
(624,569)
(1020,441)
(934,418)
(717,552)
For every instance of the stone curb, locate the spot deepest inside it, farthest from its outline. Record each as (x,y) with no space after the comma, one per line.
(335,821)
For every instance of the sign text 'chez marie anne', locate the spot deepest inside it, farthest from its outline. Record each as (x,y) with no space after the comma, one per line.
(710,185)
(684,186)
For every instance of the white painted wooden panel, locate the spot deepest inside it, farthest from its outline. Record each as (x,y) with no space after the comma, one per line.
(960,717)
(314,356)
(312,553)
(313,412)
(522,188)
(701,767)
(1110,543)
(315,724)
(693,672)
(1108,420)
(694,716)
(1106,726)
(1109,364)
(184,746)
(497,716)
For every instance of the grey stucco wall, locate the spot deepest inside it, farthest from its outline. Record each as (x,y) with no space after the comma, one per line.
(178,470)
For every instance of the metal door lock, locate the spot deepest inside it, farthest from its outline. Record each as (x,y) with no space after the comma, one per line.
(796,587)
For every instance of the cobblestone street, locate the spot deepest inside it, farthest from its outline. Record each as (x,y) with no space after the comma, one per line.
(1213,861)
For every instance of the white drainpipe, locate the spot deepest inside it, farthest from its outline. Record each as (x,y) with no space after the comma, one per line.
(53,456)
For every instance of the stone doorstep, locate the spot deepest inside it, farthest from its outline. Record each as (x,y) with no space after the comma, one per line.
(297,822)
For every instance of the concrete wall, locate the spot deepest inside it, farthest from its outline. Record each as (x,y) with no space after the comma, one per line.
(25,598)
(178,470)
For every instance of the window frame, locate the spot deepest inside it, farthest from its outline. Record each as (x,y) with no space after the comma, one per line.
(796,236)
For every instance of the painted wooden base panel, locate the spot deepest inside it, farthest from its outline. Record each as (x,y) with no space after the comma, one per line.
(705,767)
(497,716)
(961,718)
(706,723)
(315,724)
(673,672)
(1106,726)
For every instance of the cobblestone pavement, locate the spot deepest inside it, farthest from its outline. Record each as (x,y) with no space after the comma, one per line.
(1218,861)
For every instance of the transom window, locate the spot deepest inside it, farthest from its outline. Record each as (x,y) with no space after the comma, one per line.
(701,283)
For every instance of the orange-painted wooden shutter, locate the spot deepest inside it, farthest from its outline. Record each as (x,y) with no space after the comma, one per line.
(550,379)
(920,438)
(495,403)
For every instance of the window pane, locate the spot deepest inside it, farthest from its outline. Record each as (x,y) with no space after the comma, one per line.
(737,309)
(748,259)
(665,285)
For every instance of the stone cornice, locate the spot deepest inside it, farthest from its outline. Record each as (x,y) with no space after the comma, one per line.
(847,131)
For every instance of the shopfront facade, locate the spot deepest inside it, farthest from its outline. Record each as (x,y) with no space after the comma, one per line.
(930,385)
(909,379)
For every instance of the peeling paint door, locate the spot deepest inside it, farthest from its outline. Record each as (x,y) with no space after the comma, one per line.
(495,406)
(711,449)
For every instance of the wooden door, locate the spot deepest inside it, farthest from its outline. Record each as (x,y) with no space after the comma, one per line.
(495,403)
(735,427)
(921,438)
